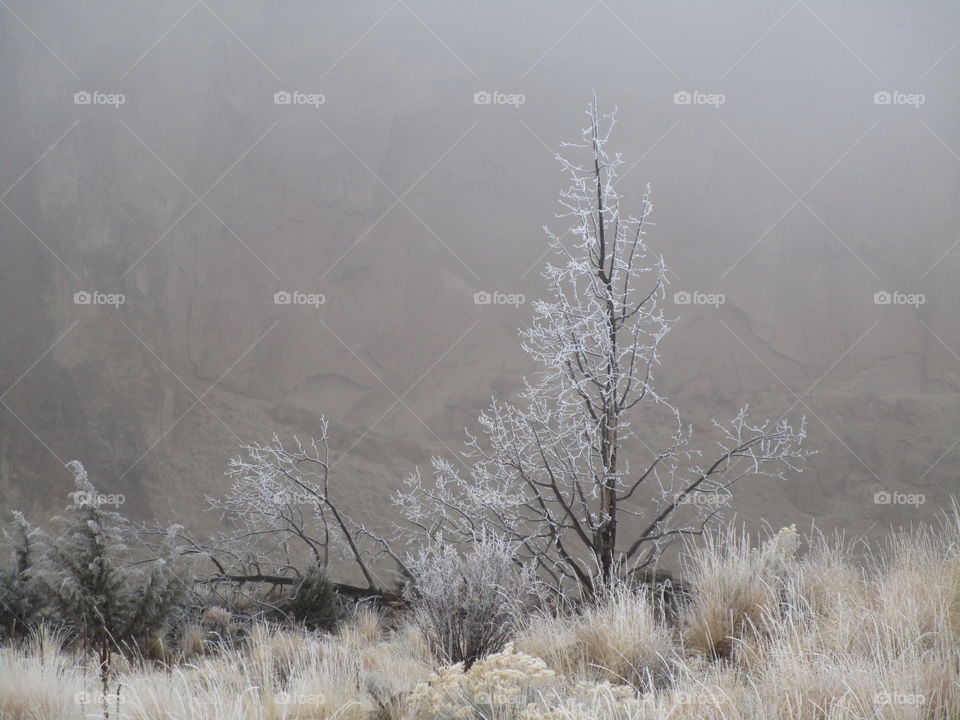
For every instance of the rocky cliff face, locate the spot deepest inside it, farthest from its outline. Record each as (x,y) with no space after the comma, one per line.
(398,198)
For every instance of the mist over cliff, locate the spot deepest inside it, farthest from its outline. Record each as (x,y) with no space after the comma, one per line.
(222,220)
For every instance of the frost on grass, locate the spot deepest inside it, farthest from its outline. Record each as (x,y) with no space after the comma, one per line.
(829,635)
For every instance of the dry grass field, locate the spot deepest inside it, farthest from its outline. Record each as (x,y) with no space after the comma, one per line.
(789,628)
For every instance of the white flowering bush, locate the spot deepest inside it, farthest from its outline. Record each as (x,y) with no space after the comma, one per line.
(507,681)
(512,685)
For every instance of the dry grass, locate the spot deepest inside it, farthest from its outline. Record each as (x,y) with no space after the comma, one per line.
(619,640)
(771,631)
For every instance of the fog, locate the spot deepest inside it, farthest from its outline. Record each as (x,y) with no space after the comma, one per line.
(167,168)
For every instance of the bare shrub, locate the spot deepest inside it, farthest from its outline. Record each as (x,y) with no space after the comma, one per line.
(466,603)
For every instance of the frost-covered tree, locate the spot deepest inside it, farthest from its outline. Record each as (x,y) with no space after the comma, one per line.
(21,592)
(98,588)
(551,472)
(282,515)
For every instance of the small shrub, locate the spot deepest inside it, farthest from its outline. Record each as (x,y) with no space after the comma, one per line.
(21,596)
(497,686)
(96,588)
(467,603)
(314,603)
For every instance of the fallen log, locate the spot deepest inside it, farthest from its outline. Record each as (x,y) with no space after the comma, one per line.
(357,594)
